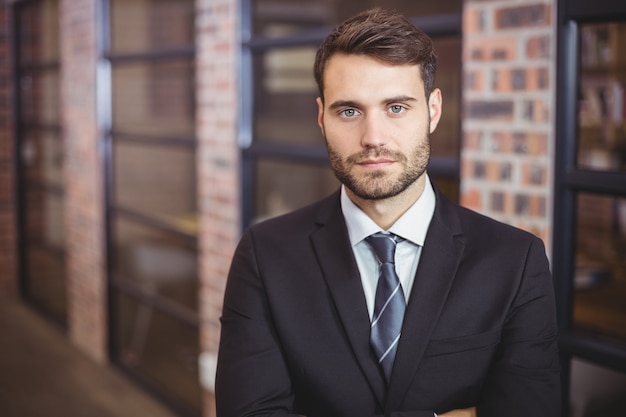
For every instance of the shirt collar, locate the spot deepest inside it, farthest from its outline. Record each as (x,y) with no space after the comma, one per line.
(412,225)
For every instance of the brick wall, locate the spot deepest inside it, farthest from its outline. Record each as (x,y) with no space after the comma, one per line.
(218,159)
(508,55)
(83,179)
(8,243)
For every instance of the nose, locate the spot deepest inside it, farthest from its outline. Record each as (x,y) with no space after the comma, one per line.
(374,132)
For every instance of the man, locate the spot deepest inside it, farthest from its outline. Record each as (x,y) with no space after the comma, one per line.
(386,298)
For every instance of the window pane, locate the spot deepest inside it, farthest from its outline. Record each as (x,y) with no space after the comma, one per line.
(159,263)
(445,139)
(279,18)
(138,26)
(156,180)
(155,100)
(595,390)
(38,38)
(42,158)
(285,186)
(45,218)
(602,111)
(39,97)
(600,281)
(161,350)
(45,282)
(286,111)
(448,186)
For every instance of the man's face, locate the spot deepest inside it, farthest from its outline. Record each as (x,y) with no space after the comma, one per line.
(376,122)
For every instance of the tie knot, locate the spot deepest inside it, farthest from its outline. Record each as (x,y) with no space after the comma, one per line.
(384,245)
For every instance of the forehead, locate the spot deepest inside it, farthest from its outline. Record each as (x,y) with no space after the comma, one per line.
(363,75)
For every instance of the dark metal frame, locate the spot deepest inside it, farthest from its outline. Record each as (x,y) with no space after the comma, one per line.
(19,128)
(569,181)
(251,151)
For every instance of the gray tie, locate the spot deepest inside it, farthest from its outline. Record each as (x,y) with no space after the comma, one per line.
(390,303)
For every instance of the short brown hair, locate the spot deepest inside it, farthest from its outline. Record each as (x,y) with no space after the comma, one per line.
(384,35)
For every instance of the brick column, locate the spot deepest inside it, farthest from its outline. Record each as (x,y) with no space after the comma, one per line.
(218,164)
(83,179)
(8,229)
(508,129)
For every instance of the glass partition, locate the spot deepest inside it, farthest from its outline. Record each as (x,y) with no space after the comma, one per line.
(602,111)
(40,144)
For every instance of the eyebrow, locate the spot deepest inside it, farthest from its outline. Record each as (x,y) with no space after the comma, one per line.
(350,103)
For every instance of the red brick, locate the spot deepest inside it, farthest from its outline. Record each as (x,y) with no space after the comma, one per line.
(522,16)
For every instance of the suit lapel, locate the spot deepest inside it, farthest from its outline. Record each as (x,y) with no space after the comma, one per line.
(439,260)
(335,256)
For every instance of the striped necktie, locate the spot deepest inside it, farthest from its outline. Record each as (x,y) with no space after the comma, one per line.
(390,303)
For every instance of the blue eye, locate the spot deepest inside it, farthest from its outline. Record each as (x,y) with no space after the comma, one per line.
(396,109)
(348,113)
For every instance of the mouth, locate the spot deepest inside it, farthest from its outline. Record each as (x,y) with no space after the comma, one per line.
(376,163)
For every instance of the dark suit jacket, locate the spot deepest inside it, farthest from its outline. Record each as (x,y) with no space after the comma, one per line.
(479,328)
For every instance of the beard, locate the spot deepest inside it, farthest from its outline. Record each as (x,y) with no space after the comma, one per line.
(379,184)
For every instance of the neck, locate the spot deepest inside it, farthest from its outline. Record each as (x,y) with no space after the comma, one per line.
(387,211)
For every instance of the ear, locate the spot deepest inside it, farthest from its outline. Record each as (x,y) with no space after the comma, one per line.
(320,113)
(434,108)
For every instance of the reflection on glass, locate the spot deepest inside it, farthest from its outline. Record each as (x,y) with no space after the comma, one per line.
(157,181)
(158,263)
(163,350)
(284,186)
(156,100)
(144,25)
(602,111)
(600,280)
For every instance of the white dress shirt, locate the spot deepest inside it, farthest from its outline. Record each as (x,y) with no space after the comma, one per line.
(412,226)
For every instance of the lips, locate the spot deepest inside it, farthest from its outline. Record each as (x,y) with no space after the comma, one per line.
(376,163)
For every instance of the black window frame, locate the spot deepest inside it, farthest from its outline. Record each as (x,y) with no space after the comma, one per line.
(22,127)
(570,180)
(108,137)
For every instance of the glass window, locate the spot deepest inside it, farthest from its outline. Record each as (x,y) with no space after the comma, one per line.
(46,283)
(600,280)
(445,139)
(285,186)
(286,111)
(163,350)
(154,256)
(157,181)
(280,18)
(40,98)
(41,157)
(158,263)
(602,111)
(139,26)
(154,98)
(38,36)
